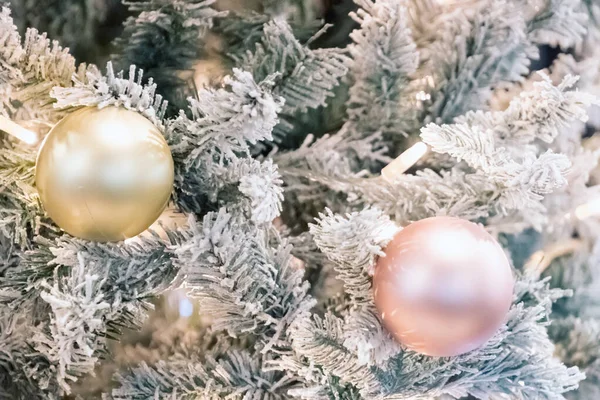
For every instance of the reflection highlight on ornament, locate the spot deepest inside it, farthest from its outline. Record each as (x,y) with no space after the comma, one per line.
(451,243)
(16,130)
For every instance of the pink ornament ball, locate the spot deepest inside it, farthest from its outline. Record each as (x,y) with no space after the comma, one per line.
(444,286)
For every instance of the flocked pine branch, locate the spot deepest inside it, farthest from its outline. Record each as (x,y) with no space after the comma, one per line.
(299,11)
(575,328)
(237,374)
(166,32)
(166,39)
(558,22)
(541,113)
(242,29)
(384,57)
(211,149)
(94,290)
(488,48)
(248,285)
(72,296)
(20,212)
(320,340)
(94,89)
(25,373)
(30,69)
(76,330)
(533,175)
(577,344)
(493,46)
(496,143)
(353,243)
(73,341)
(74,23)
(261,184)
(305,77)
(207,147)
(230,119)
(138,281)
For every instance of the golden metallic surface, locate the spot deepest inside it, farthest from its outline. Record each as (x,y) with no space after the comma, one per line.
(104,174)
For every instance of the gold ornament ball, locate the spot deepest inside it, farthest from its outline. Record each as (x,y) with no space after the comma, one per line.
(444,286)
(104,174)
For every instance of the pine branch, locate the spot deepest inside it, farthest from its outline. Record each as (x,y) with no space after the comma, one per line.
(165,39)
(20,211)
(228,119)
(306,77)
(246,285)
(540,113)
(496,143)
(320,340)
(24,372)
(319,166)
(132,273)
(74,23)
(469,195)
(30,70)
(211,150)
(94,290)
(471,56)
(578,341)
(166,34)
(77,327)
(237,374)
(558,22)
(242,29)
(353,243)
(384,57)
(332,388)
(113,89)
(502,366)
(494,45)
(261,184)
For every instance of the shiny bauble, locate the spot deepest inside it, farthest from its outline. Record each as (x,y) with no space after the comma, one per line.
(444,286)
(104,174)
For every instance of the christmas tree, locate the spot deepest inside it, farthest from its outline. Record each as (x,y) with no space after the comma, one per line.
(280,116)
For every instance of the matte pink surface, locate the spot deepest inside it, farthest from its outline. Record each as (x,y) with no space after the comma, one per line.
(444,287)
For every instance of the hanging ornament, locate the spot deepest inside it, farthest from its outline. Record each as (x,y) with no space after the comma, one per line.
(444,286)
(104,174)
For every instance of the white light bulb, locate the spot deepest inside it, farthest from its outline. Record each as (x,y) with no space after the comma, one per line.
(18,131)
(404,161)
